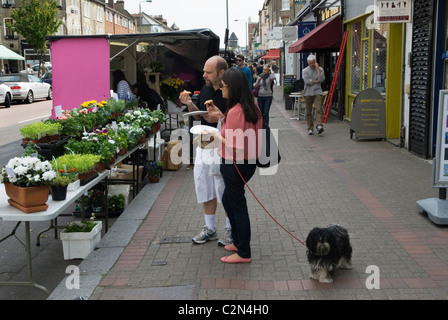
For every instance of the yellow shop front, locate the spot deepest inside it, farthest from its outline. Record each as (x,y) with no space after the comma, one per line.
(374,59)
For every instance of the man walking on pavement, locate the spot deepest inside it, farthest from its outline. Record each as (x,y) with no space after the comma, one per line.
(240,65)
(313,76)
(209,188)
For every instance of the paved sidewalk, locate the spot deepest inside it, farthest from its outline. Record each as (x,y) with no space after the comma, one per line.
(370,187)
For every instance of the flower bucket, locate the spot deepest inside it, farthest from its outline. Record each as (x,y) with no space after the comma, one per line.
(78,245)
(29,199)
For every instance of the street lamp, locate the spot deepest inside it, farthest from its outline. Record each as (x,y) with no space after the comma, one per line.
(247,50)
(140,11)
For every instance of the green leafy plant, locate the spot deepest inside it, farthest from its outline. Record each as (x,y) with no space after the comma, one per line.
(156,66)
(116,106)
(81,226)
(37,130)
(288,89)
(82,162)
(60,181)
(116,202)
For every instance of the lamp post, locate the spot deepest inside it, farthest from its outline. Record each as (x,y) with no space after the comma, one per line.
(140,12)
(247,45)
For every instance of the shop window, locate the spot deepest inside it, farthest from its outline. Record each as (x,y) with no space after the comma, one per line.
(356,59)
(379,58)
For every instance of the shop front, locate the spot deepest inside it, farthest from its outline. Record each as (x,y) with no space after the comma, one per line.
(324,41)
(374,59)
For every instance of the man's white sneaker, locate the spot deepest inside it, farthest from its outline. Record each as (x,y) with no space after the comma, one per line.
(310,132)
(205,235)
(320,129)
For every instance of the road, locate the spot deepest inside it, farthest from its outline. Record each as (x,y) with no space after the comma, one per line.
(15,117)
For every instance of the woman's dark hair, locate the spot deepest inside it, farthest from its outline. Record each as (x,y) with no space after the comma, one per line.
(240,92)
(118,76)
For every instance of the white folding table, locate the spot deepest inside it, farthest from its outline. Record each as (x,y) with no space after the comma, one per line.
(55,208)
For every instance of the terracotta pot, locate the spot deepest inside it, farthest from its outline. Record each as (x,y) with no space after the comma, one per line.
(143,138)
(154,179)
(123,151)
(29,199)
(155,127)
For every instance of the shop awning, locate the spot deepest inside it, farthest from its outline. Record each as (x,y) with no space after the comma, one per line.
(273,54)
(7,54)
(325,36)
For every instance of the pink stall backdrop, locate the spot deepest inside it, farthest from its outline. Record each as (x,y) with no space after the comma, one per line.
(80,71)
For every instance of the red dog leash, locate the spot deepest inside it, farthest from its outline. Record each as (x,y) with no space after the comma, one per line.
(263,206)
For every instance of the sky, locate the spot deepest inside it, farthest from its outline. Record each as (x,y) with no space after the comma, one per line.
(197,14)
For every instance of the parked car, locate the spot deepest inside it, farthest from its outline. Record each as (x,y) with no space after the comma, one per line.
(47,78)
(27,87)
(5,95)
(35,67)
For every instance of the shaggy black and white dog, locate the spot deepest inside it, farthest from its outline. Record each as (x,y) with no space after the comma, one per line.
(328,249)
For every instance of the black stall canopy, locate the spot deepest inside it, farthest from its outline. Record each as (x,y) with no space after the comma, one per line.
(82,65)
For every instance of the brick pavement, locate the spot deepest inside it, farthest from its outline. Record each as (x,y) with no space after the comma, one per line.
(370,187)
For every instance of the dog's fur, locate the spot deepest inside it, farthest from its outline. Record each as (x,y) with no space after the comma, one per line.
(328,249)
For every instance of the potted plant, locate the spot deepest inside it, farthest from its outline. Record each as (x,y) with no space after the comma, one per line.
(170,88)
(84,163)
(80,238)
(154,170)
(288,99)
(39,131)
(97,200)
(115,107)
(58,187)
(116,204)
(27,181)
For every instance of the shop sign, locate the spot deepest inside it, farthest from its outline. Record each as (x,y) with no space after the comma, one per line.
(387,11)
(304,28)
(440,163)
(289,33)
(369,116)
(328,13)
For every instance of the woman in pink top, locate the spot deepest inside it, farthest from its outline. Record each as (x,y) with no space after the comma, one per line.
(239,136)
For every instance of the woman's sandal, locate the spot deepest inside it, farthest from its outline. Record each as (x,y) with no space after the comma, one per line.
(237,259)
(231,247)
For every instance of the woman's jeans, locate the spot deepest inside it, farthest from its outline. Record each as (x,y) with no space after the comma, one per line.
(264,103)
(234,202)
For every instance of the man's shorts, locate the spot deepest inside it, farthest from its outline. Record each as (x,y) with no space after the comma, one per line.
(207,186)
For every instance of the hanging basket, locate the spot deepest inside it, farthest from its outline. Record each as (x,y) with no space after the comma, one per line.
(29,199)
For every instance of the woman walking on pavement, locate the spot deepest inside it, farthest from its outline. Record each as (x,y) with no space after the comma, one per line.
(239,137)
(265,93)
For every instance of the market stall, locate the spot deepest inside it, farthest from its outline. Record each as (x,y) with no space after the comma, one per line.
(82,65)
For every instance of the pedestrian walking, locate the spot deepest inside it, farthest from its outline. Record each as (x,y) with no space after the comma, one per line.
(265,93)
(313,76)
(241,66)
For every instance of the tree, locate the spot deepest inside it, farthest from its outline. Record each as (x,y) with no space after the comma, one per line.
(35,20)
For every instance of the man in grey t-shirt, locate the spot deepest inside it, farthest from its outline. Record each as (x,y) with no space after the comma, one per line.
(313,76)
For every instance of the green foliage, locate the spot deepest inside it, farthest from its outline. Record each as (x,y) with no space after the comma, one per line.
(288,89)
(116,202)
(37,130)
(35,20)
(82,162)
(80,226)
(60,181)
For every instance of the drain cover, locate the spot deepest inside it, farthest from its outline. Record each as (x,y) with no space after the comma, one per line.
(175,239)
